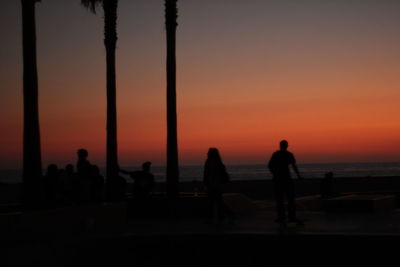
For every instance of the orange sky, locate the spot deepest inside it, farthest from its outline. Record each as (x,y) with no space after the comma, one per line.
(325,77)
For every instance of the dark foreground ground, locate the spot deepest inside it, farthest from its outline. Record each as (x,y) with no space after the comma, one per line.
(253,241)
(164,233)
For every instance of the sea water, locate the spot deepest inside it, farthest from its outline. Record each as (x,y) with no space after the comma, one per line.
(260,171)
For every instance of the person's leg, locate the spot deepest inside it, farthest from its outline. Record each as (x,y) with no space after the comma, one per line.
(220,212)
(291,200)
(211,205)
(279,198)
(227,211)
(214,206)
(221,209)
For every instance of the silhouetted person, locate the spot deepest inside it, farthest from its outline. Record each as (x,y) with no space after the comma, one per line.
(143,181)
(283,183)
(326,187)
(51,184)
(66,183)
(215,176)
(83,168)
(97,184)
(83,165)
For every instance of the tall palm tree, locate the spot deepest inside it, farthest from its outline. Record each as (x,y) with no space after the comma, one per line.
(32,161)
(171,14)
(110,41)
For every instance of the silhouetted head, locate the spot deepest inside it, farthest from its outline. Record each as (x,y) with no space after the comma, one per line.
(69,169)
(283,145)
(52,169)
(146,166)
(213,154)
(82,153)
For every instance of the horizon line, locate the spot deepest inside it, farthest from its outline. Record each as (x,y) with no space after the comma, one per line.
(240,164)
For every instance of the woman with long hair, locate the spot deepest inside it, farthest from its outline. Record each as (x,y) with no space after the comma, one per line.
(215,176)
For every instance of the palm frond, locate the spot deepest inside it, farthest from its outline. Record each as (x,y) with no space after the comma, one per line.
(91,4)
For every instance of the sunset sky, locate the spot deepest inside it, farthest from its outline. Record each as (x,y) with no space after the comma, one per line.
(323,74)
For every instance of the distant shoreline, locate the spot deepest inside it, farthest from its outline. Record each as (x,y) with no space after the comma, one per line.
(258,171)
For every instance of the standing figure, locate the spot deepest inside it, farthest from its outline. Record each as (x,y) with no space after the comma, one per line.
(84,170)
(97,184)
(283,183)
(143,181)
(215,176)
(51,185)
(83,165)
(67,179)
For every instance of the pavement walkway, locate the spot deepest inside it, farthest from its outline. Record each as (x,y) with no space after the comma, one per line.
(254,240)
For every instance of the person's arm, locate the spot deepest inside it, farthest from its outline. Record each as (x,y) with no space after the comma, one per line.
(124,172)
(272,165)
(296,170)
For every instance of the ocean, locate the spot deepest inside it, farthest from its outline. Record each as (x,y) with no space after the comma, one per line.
(257,172)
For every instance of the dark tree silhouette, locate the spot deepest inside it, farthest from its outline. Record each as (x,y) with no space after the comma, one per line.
(171,14)
(110,41)
(32,162)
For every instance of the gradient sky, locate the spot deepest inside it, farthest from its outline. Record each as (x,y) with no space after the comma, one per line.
(323,74)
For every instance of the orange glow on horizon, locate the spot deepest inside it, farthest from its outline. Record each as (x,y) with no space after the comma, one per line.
(325,77)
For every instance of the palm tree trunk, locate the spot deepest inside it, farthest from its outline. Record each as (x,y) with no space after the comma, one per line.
(110,41)
(32,162)
(172,136)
